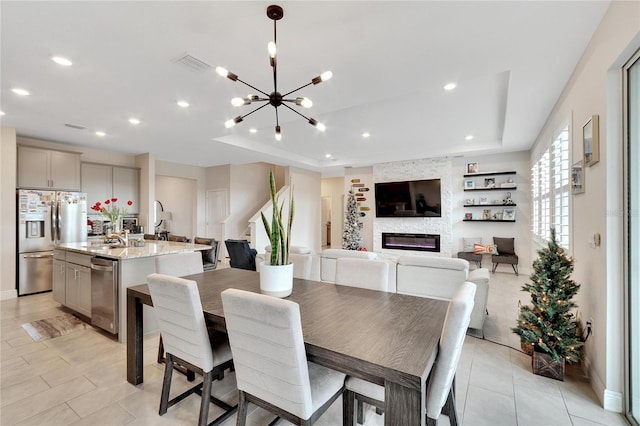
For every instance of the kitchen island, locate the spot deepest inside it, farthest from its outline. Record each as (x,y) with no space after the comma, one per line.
(72,283)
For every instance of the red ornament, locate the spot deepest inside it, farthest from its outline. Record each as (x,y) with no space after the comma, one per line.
(129,203)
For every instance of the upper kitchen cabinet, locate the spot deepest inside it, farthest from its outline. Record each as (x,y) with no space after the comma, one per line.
(46,169)
(102,182)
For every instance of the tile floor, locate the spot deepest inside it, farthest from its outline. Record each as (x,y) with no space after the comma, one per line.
(80,378)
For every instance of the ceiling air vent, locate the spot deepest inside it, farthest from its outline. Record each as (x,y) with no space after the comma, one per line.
(192,63)
(75,126)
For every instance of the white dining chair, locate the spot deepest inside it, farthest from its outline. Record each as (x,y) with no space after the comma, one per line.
(440,396)
(177,305)
(272,371)
(362,273)
(178,265)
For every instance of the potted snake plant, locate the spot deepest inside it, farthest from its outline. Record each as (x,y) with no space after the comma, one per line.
(276,275)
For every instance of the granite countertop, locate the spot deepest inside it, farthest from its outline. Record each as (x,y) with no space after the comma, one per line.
(151,248)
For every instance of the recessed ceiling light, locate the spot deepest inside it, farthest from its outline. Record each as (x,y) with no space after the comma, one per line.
(366,135)
(183,104)
(61,61)
(1,112)
(133,120)
(468,137)
(327,156)
(20,92)
(100,133)
(450,86)
(253,130)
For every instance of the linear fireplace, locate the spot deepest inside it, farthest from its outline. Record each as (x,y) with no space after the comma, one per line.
(419,242)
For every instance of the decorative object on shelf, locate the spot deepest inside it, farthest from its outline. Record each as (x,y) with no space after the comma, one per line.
(548,322)
(351,235)
(486,214)
(577,178)
(468,216)
(507,199)
(472,167)
(470,201)
(112,212)
(591,141)
(509,214)
(490,182)
(130,224)
(276,277)
(483,200)
(469,184)
(275,98)
(497,216)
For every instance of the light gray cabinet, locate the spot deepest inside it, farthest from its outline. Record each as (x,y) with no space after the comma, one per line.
(102,182)
(59,277)
(78,283)
(42,168)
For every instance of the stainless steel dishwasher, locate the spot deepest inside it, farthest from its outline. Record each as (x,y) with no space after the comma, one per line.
(104,294)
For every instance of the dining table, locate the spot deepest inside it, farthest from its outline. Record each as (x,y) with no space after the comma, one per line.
(386,338)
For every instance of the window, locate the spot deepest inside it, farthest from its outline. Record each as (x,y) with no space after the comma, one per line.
(550,191)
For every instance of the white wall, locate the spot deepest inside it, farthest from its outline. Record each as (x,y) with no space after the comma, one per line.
(306,224)
(197,208)
(179,196)
(248,192)
(8,164)
(599,270)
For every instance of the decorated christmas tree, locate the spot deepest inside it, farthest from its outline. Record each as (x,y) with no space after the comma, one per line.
(548,323)
(351,239)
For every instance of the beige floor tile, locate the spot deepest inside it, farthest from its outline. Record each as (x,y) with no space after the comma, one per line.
(42,401)
(537,407)
(488,408)
(22,390)
(25,371)
(101,397)
(60,415)
(112,415)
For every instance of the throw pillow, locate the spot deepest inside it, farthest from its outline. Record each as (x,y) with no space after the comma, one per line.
(468,243)
(484,248)
(505,245)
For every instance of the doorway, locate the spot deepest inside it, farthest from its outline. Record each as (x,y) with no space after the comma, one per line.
(217,210)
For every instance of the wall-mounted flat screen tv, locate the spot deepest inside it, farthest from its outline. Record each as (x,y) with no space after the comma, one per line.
(415,198)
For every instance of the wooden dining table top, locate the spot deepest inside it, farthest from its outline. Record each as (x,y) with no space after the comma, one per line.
(374,335)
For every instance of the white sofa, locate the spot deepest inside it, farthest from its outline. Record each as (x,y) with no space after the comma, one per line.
(439,278)
(329,257)
(301,258)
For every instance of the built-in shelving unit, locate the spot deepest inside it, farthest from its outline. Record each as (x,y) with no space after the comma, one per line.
(470,185)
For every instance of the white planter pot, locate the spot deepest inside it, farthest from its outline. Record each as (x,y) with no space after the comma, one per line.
(276,280)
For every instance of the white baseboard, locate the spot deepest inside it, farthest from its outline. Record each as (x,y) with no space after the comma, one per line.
(8,294)
(610,400)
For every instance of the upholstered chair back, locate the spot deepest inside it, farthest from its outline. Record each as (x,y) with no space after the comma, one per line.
(363,273)
(180,264)
(177,305)
(438,276)
(265,334)
(451,340)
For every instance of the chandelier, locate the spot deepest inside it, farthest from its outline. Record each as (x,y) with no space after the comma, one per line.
(275,98)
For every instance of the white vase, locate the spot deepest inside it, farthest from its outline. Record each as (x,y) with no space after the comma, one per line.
(276,280)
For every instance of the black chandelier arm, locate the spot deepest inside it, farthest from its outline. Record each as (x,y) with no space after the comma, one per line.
(277,121)
(296,111)
(295,90)
(274,61)
(260,107)
(254,88)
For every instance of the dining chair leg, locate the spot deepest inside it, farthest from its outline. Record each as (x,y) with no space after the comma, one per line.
(361,417)
(348,399)
(206,396)
(242,409)
(160,351)
(166,384)
(450,408)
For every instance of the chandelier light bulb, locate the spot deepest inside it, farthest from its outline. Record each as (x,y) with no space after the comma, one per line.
(223,72)
(237,102)
(304,102)
(232,122)
(326,75)
(321,127)
(271,47)
(278,134)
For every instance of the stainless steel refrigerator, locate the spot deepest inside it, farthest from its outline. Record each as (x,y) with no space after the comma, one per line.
(46,218)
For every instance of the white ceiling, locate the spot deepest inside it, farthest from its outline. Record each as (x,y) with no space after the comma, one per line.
(390,61)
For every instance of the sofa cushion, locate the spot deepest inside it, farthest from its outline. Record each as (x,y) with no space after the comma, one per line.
(292,249)
(434,262)
(505,245)
(336,253)
(467,243)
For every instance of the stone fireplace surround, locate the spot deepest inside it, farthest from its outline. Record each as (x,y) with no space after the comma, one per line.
(431,168)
